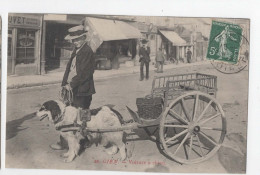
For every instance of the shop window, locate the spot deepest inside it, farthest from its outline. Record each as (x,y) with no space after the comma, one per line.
(25,46)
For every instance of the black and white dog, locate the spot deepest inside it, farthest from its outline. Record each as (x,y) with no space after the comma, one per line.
(104,117)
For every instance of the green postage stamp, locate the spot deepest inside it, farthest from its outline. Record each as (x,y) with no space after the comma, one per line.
(224,42)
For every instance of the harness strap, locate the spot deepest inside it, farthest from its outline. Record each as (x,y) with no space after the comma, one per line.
(85,116)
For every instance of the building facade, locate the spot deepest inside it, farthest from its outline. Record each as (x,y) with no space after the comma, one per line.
(24,44)
(36,42)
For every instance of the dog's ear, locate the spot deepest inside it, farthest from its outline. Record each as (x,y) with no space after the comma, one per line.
(54,108)
(41,108)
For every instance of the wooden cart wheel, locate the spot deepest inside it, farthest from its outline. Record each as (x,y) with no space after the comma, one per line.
(199,126)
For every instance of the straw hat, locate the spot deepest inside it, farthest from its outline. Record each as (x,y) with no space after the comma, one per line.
(76,32)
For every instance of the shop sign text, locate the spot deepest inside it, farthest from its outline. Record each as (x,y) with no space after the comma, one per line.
(23,21)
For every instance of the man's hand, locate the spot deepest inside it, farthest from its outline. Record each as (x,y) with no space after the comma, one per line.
(67,87)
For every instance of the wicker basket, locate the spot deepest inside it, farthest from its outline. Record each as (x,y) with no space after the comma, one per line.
(149,108)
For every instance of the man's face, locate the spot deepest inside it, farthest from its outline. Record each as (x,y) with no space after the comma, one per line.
(79,42)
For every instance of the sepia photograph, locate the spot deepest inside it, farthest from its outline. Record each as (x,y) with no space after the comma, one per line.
(127,93)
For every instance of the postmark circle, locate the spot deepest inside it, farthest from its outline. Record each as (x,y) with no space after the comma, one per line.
(242,63)
(228,49)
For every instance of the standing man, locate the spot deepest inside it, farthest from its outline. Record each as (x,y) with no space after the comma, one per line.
(159,60)
(189,53)
(144,54)
(78,75)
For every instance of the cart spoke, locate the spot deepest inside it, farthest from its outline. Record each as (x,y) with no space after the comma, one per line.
(207,137)
(200,146)
(203,112)
(207,149)
(173,144)
(177,116)
(195,107)
(170,121)
(181,144)
(191,142)
(209,128)
(185,152)
(210,118)
(185,109)
(165,133)
(176,136)
(176,126)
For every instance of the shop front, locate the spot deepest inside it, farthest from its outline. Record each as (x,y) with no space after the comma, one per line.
(174,46)
(113,41)
(111,54)
(24,38)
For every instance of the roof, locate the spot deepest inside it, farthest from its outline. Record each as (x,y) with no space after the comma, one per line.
(100,30)
(113,30)
(174,38)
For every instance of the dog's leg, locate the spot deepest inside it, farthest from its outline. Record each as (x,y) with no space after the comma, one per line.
(104,140)
(122,150)
(112,150)
(74,147)
(65,155)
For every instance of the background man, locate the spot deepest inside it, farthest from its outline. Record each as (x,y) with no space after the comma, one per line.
(159,60)
(78,75)
(189,53)
(144,54)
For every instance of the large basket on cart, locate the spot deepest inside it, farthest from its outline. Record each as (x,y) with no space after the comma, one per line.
(149,108)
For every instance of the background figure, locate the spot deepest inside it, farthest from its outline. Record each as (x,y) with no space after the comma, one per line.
(189,53)
(159,60)
(144,54)
(78,75)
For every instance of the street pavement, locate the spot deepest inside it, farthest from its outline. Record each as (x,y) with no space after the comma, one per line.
(28,139)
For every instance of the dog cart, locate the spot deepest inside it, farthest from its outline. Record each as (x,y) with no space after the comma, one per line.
(182,115)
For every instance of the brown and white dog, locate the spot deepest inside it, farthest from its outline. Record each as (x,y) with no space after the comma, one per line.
(103,117)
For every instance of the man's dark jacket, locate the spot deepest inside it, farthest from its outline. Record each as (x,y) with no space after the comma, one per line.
(85,66)
(144,54)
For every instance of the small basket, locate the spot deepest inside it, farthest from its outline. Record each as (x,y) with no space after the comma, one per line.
(149,108)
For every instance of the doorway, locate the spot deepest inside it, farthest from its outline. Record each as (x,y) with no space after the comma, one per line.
(57,50)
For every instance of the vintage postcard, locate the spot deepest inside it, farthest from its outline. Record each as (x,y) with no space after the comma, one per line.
(127,93)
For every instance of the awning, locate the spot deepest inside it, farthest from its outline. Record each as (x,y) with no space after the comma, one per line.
(107,30)
(174,38)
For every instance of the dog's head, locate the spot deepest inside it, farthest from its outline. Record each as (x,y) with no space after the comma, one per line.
(51,110)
